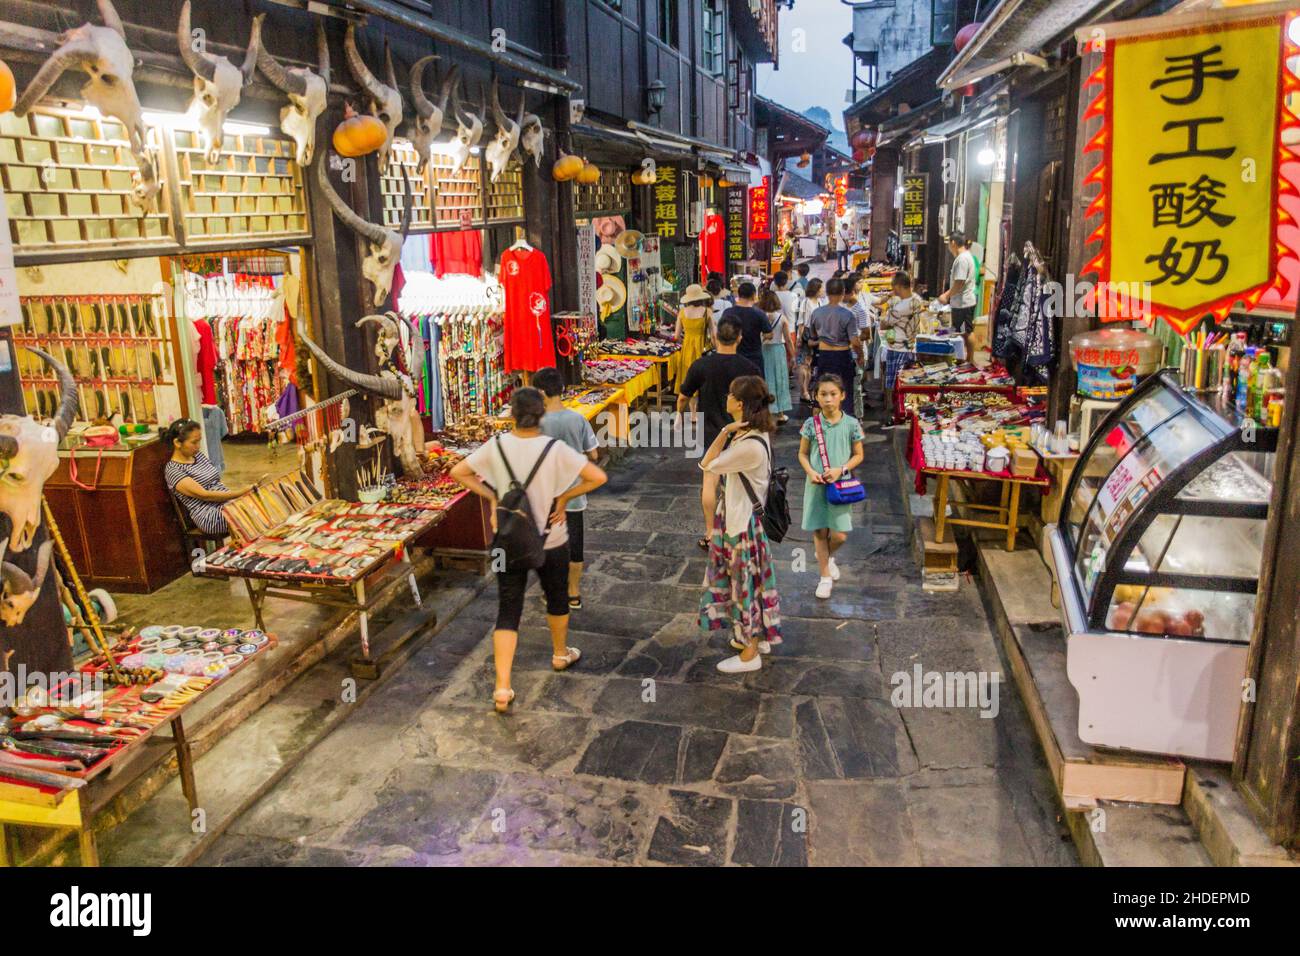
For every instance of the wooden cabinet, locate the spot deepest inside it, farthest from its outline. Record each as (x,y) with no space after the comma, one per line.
(123,535)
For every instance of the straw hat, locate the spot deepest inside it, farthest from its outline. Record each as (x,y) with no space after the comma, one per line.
(608,259)
(627,242)
(612,294)
(695,293)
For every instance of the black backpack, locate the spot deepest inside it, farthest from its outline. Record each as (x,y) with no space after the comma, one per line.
(775,511)
(516,534)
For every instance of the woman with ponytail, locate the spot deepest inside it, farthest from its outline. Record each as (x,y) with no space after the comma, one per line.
(194,479)
(740,583)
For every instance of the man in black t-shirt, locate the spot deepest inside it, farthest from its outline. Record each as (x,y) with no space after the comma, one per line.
(709,381)
(753,323)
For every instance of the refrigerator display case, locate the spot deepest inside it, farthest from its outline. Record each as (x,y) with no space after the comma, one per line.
(1157,557)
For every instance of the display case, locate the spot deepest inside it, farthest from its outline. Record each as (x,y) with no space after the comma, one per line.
(1157,557)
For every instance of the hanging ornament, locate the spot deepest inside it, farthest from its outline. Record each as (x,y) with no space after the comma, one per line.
(8,92)
(359,135)
(589,175)
(566,167)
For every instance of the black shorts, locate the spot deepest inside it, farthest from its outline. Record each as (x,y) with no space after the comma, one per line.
(511,585)
(574,520)
(963,319)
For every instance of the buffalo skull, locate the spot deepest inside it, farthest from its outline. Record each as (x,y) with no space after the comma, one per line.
(532,138)
(28,456)
(397,413)
(469,130)
(20,589)
(217,82)
(429,115)
(385,100)
(506,138)
(102,54)
(307,92)
(384,246)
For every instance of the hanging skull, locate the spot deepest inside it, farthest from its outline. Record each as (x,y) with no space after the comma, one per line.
(469,130)
(20,588)
(532,138)
(397,414)
(217,82)
(102,54)
(28,456)
(385,101)
(307,92)
(429,116)
(505,140)
(385,246)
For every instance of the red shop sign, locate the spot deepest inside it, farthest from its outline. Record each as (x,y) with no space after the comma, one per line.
(760,210)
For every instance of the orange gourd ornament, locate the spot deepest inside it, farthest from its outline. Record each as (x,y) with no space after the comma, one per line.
(589,174)
(566,167)
(8,91)
(358,135)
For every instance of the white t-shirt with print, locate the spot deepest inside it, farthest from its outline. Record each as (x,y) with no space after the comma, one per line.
(559,471)
(963,267)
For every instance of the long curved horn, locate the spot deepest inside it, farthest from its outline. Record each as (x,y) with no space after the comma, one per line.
(385,320)
(360,72)
(323,54)
(375,384)
(388,65)
(498,114)
(68,55)
(448,85)
(201,64)
(423,105)
(254,49)
(67,393)
(523,108)
(370,230)
(108,13)
(410,205)
(295,84)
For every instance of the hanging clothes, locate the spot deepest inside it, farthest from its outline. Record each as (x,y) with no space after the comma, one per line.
(416,254)
(206,363)
(457,253)
(526,277)
(713,257)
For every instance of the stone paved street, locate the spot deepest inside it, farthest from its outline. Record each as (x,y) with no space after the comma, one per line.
(645,753)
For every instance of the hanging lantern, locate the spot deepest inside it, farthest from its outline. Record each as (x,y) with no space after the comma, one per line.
(859,155)
(725,183)
(863,138)
(965,35)
(706,181)
(566,167)
(969,89)
(804,160)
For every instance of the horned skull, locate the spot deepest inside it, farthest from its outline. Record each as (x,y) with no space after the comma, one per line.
(469,130)
(20,588)
(532,138)
(505,140)
(217,82)
(385,100)
(307,92)
(28,456)
(397,414)
(102,54)
(429,116)
(384,246)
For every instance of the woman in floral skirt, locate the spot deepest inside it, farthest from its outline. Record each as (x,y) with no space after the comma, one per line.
(740,582)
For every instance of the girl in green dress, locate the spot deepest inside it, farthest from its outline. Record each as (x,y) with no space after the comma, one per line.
(830,524)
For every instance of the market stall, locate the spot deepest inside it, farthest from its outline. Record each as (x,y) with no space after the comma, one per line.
(919,383)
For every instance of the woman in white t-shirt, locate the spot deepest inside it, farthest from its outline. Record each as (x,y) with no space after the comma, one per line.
(805,304)
(740,581)
(778,353)
(562,475)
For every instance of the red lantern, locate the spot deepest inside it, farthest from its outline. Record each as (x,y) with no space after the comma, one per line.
(965,35)
(859,156)
(969,89)
(863,139)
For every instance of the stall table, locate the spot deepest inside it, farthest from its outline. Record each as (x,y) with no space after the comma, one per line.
(664,370)
(901,390)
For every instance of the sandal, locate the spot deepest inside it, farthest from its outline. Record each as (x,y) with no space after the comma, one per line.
(703,544)
(569,658)
(502,703)
(575,602)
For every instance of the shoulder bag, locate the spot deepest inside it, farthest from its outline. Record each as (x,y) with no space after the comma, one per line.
(846,489)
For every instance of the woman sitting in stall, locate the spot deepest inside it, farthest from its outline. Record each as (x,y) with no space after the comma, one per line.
(194,480)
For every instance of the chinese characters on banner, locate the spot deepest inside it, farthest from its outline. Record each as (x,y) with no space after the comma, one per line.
(587,269)
(1191,144)
(841,195)
(737,250)
(916,187)
(760,211)
(668,204)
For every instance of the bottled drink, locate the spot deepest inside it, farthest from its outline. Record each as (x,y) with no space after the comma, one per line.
(1259,377)
(1243,379)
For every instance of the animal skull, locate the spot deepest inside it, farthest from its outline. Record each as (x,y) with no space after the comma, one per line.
(429,116)
(397,414)
(503,144)
(102,54)
(217,82)
(532,138)
(307,92)
(384,245)
(29,455)
(20,589)
(469,130)
(385,101)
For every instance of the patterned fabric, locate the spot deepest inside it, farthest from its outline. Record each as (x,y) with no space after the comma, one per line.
(894,361)
(740,584)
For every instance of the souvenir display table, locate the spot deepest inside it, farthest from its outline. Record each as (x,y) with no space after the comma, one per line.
(636,375)
(63,768)
(921,382)
(335,553)
(665,356)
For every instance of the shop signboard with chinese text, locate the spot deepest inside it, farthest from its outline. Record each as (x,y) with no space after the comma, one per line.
(760,211)
(1192,167)
(916,187)
(737,250)
(587,269)
(668,202)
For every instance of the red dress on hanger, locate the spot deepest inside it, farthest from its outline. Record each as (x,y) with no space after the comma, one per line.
(526,277)
(712,256)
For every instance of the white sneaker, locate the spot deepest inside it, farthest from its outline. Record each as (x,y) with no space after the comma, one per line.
(734,665)
(824,588)
(764,647)
(835,570)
